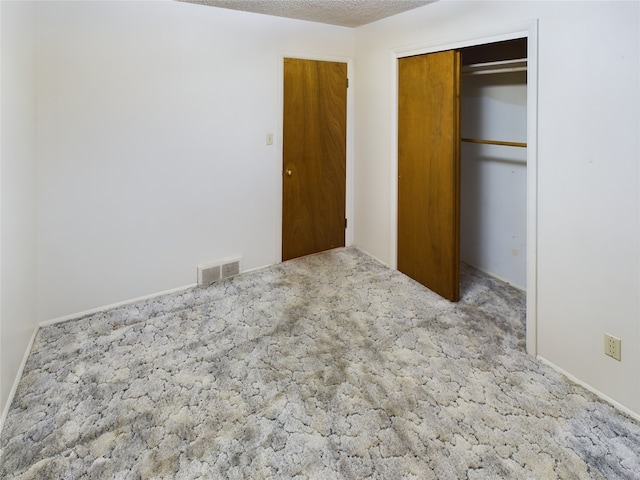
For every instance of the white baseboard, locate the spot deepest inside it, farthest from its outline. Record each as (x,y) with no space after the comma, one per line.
(93,311)
(256,269)
(369,254)
(499,277)
(14,388)
(598,393)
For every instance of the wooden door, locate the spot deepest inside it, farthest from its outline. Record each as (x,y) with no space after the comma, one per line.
(429,170)
(314,157)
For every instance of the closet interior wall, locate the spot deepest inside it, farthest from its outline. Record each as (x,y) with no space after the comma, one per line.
(493,180)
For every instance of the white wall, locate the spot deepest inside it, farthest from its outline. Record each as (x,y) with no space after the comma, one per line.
(152,152)
(493,179)
(588,266)
(18,180)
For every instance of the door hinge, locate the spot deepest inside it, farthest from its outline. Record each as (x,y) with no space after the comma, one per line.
(345,223)
(347,83)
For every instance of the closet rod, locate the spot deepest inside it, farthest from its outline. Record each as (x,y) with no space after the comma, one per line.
(495,142)
(494,70)
(504,66)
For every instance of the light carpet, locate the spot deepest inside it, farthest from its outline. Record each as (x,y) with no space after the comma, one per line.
(326,367)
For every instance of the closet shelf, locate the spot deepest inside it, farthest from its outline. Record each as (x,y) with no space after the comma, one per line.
(494,142)
(504,66)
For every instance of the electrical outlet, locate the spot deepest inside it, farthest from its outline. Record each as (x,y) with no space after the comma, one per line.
(269,138)
(612,346)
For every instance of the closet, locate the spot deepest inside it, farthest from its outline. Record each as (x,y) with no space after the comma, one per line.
(462,164)
(493,174)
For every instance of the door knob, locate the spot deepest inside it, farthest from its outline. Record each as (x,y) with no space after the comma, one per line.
(288,172)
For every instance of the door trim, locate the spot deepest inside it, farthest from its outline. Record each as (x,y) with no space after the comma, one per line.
(527,30)
(348,234)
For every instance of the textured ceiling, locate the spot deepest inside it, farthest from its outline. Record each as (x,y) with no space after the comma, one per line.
(347,13)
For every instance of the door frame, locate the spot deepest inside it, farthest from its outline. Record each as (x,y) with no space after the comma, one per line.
(348,234)
(527,30)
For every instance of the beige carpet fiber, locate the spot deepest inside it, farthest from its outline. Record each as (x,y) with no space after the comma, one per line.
(326,367)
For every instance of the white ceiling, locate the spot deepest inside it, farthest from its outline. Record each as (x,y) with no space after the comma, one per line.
(346,13)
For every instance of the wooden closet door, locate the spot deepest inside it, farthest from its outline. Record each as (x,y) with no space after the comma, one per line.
(429,170)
